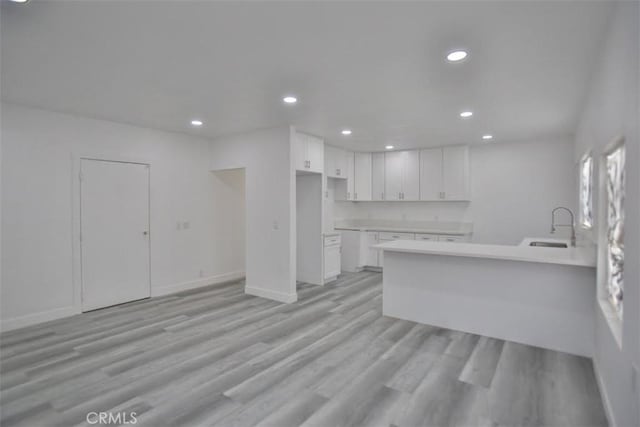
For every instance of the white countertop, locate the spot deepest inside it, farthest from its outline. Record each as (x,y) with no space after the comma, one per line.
(451,232)
(426,227)
(583,257)
(331,233)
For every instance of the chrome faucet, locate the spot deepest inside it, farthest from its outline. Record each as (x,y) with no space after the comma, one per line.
(572,225)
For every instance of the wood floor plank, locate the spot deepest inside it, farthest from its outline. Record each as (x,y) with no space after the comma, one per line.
(215,356)
(481,366)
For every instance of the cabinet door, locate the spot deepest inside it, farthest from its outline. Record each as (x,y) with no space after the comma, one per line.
(330,161)
(340,165)
(300,151)
(349,166)
(315,154)
(431,174)
(455,173)
(427,237)
(350,259)
(362,176)
(393,175)
(377,176)
(372,253)
(410,175)
(452,239)
(331,261)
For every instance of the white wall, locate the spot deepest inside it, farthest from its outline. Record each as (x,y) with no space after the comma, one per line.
(270,205)
(39,278)
(612,110)
(229,192)
(309,243)
(514,188)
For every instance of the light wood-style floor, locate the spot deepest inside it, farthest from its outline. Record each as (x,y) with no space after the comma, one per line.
(215,356)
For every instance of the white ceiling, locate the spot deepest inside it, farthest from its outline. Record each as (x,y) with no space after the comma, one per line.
(377,68)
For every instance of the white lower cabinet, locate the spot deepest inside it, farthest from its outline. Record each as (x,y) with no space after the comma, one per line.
(331,262)
(350,257)
(454,239)
(387,236)
(358,251)
(427,237)
(371,258)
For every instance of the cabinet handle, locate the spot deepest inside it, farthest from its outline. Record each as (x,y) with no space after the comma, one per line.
(338,172)
(355,196)
(382,196)
(400,196)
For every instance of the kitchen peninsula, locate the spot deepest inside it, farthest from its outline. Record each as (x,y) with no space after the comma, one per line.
(539,296)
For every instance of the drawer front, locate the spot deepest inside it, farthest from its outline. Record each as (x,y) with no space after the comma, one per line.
(332,240)
(454,239)
(385,235)
(428,237)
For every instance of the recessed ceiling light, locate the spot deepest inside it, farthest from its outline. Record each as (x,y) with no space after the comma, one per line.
(487,137)
(346,131)
(388,147)
(456,55)
(466,114)
(19,1)
(290,99)
(196,122)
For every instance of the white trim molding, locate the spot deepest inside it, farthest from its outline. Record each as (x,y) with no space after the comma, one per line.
(198,283)
(59,313)
(36,318)
(272,295)
(603,392)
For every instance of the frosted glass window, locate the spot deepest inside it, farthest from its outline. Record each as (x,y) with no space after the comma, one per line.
(586,192)
(615,227)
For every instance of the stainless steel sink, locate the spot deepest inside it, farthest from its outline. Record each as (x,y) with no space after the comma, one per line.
(549,244)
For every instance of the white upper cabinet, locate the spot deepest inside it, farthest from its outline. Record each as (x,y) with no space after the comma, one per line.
(402,175)
(349,166)
(362,176)
(345,189)
(431,174)
(411,175)
(444,173)
(308,153)
(393,175)
(377,176)
(335,162)
(455,173)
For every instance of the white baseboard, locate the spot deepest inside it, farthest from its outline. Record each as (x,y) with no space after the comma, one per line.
(273,295)
(608,410)
(59,313)
(193,284)
(35,318)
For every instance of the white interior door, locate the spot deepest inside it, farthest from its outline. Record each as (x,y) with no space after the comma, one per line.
(114,203)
